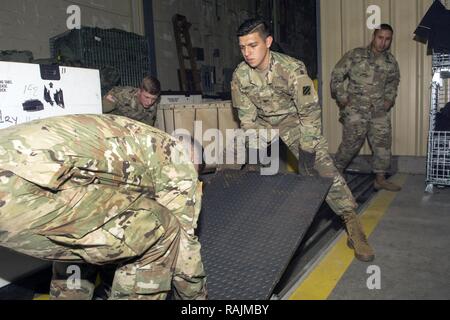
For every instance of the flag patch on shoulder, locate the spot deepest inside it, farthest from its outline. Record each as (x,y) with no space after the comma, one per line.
(307,90)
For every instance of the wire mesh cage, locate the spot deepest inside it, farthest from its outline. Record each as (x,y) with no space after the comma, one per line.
(440,94)
(438,162)
(438,158)
(441,60)
(101,48)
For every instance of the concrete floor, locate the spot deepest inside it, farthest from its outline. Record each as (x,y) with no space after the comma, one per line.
(412,245)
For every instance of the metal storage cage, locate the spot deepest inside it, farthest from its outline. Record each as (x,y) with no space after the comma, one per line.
(99,48)
(438,158)
(441,60)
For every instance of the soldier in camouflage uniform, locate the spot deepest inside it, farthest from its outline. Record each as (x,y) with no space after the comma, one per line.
(104,190)
(135,103)
(273,90)
(373,78)
(140,104)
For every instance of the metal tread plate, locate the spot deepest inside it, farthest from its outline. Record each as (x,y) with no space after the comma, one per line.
(251,226)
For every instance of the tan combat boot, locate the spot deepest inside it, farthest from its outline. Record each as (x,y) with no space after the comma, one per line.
(382,184)
(357,240)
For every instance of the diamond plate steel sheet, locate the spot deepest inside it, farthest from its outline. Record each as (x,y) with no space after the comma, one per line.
(251,226)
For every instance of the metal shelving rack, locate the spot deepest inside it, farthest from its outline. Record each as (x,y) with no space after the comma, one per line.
(438,157)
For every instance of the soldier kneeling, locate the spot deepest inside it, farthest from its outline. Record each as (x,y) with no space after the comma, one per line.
(103,190)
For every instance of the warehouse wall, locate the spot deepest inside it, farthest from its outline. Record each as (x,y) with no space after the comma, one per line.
(214,25)
(28,24)
(343,27)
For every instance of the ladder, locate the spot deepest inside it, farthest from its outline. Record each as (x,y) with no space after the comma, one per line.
(185,52)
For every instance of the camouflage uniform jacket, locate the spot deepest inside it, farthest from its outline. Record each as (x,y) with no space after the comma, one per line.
(372,80)
(287,96)
(83,150)
(123,101)
(286,91)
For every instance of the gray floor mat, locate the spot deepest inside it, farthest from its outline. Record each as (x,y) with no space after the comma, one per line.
(250,227)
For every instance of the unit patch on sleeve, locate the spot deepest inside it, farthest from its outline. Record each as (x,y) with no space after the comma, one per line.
(307,90)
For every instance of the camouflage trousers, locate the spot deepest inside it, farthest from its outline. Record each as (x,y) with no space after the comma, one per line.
(153,254)
(339,198)
(362,122)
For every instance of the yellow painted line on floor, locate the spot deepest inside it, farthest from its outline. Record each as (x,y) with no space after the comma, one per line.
(322,280)
(42,297)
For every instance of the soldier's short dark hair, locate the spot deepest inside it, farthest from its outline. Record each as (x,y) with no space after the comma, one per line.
(384,26)
(151,85)
(254,25)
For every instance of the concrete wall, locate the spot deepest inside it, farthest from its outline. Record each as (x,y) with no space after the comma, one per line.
(343,27)
(28,24)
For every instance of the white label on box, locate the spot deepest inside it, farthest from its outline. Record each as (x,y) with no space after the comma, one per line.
(25,96)
(180,99)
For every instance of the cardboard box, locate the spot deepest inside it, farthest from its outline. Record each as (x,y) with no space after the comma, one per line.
(197,119)
(31,91)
